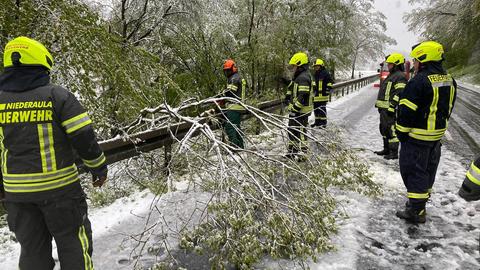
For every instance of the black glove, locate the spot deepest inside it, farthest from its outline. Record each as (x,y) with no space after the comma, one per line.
(99,175)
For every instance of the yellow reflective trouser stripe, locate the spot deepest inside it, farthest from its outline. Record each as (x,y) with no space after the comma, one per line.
(474,174)
(394,135)
(417,195)
(409,104)
(382,104)
(76,123)
(432,116)
(82,236)
(4,153)
(93,163)
(47,149)
(36,187)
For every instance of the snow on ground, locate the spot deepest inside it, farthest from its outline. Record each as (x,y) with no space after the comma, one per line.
(370,238)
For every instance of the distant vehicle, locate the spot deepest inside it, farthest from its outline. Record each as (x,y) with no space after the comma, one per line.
(383,72)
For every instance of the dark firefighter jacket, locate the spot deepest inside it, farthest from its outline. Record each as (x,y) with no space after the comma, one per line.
(426,104)
(300,91)
(236,88)
(388,97)
(41,125)
(322,85)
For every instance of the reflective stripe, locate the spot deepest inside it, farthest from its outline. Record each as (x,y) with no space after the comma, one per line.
(36,187)
(427,135)
(34,177)
(409,104)
(432,116)
(402,128)
(329,84)
(303,88)
(232,87)
(474,174)
(391,109)
(387,91)
(441,84)
(450,103)
(76,123)
(382,104)
(4,152)
(400,86)
(41,142)
(396,98)
(320,98)
(82,236)
(47,149)
(417,195)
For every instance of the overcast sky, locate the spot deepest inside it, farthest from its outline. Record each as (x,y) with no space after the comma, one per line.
(396,28)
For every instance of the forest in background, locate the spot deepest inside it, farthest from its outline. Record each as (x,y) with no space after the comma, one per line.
(455,24)
(121,56)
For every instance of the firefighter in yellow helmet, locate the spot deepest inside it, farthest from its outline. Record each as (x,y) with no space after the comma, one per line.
(300,105)
(387,101)
(322,86)
(42,126)
(423,112)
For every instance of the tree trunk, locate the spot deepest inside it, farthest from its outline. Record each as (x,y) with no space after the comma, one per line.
(354,63)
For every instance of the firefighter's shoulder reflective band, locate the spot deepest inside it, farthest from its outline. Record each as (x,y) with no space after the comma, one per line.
(75,123)
(474,174)
(94,163)
(413,195)
(409,104)
(21,183)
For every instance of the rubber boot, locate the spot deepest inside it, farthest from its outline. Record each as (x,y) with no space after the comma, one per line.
(385,150)
(393,154)
(412,215)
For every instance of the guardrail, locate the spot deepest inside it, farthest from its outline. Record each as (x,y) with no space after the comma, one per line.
(118,149)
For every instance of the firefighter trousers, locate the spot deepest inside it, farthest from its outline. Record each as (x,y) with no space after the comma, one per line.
(320,111)
(297,128)
(387,126)
(63,219)
(232,127)
(418,167)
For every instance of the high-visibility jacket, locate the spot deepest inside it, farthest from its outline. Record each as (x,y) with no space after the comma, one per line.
(322,85)
(41,127)
(236,88)
(300,92)
(389,89)
(426,104)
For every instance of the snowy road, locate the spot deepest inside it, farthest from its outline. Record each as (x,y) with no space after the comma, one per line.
(371,238)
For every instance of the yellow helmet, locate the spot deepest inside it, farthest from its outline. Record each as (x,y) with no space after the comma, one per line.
(27,52)
(299,59)
(395,58)
(427,51)
(319,62)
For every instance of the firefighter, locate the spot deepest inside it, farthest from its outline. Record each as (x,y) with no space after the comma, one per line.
(42,125)
(236,88)
(322,86)
(387,101)
(300,105)
(470,189)
(423,113)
